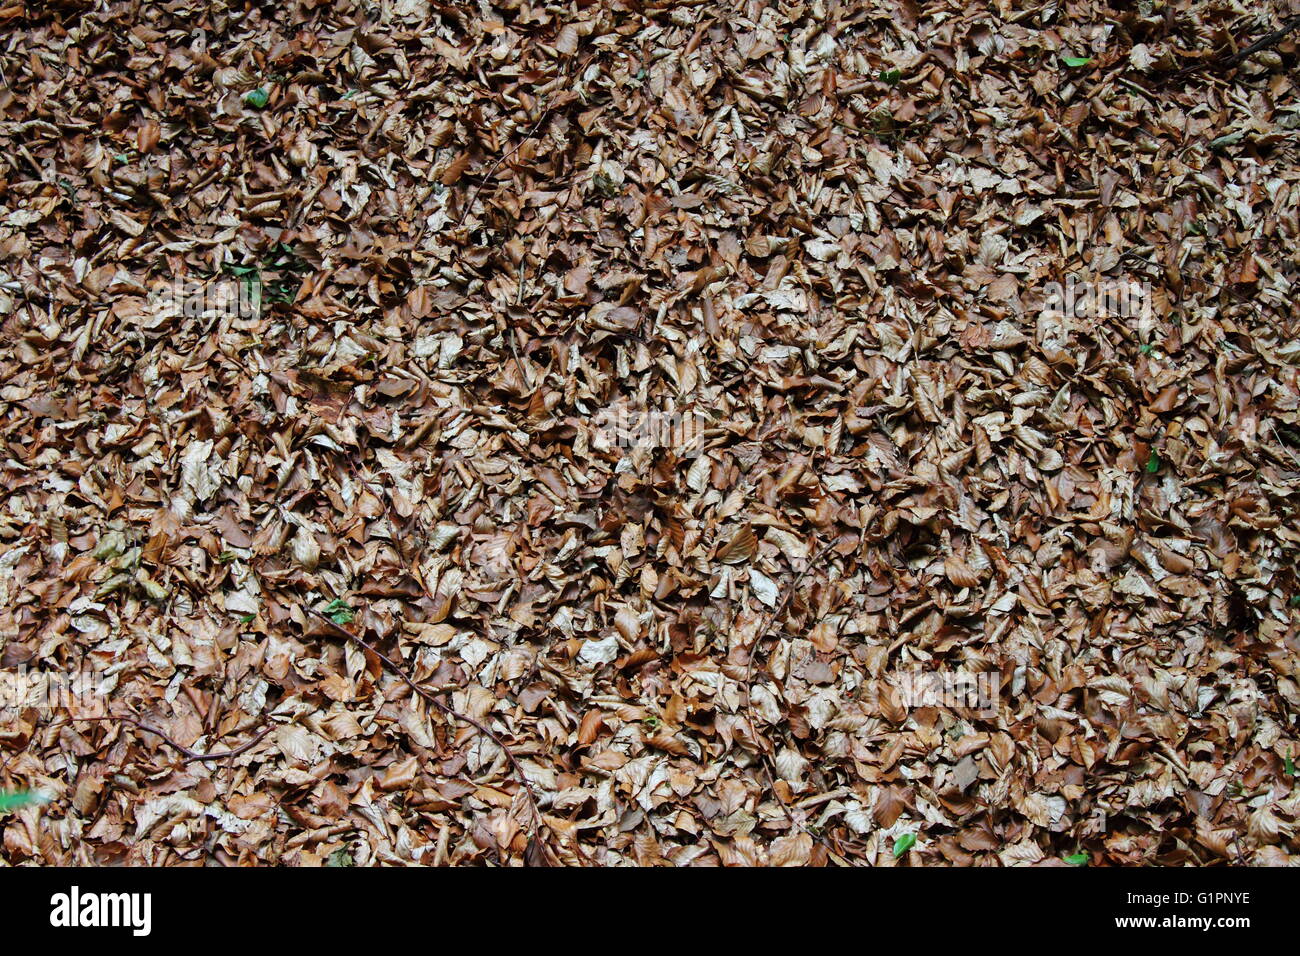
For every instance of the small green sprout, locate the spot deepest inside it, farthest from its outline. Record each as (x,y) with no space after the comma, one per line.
(339,611)
(903,843)
(17,799)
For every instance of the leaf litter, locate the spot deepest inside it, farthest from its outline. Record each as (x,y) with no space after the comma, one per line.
(311,313)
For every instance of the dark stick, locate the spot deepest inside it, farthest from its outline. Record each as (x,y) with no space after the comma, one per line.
(1263,43)
(1227,63)
(764,748)
(500,159)
(190,755)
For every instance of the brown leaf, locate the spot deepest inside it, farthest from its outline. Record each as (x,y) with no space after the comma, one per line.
(740,548)
(454,170)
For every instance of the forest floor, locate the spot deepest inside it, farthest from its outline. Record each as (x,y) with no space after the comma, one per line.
(649,433)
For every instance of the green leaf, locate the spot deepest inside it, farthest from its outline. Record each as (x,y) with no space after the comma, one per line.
(1077,859)
(339,611)
(17,799)
(1230,139)
(1076,60)
(1289,766)
(1146,348)
(903,843)
(891,76)
(340,857)
(257,98)
(605,186)
(1153,463)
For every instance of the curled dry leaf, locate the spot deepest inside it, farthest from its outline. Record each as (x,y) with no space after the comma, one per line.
(740,547)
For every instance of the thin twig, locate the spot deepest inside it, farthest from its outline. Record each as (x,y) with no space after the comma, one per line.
(190,755)
(1265,42)
(334,626)
(510,332)
(538,820)
(464,212)
(1278,438)
(460,221)
(764,748)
